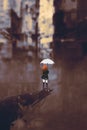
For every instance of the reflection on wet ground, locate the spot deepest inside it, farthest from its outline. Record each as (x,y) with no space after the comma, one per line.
(18,75)
(64,109)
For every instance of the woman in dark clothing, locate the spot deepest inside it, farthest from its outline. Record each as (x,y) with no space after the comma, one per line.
(45,76)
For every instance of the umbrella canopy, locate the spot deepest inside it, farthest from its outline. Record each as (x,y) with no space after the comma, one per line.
(47,61)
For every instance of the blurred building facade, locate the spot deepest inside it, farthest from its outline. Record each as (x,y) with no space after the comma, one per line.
(16,6)
(27,21)
(45,22)
(74,10)
(70,22)
(82,9)
(5,7)
(70,9)
(5,21)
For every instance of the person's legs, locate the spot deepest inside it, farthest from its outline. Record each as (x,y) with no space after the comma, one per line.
(46,83)
(43,83)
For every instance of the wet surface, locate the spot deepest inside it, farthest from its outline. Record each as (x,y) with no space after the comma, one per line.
(64,109)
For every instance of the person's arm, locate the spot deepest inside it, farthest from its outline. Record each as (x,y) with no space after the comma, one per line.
(48,71)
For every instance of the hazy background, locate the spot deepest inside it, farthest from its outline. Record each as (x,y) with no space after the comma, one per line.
(31,30)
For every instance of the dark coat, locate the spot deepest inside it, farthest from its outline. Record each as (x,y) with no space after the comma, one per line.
(45,74)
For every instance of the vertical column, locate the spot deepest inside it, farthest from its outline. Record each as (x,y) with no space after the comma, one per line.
(45,22)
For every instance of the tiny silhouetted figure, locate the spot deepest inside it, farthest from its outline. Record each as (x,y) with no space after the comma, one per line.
(45,76)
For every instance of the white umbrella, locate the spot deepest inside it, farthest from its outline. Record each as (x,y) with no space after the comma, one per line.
(47,61)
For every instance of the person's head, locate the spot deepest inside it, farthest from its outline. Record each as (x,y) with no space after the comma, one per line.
(44,67)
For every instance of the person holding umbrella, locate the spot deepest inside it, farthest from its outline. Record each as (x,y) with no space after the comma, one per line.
(45,71)
(44,76)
